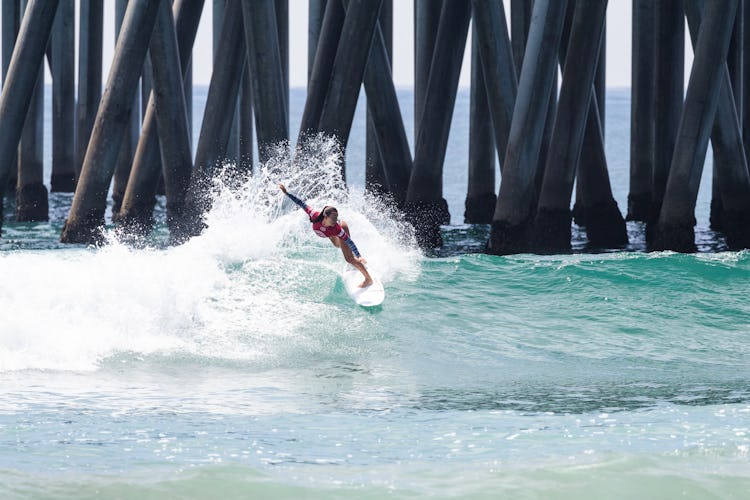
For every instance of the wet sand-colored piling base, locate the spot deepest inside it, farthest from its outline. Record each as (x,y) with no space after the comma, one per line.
(139,221)
(508,239)
(736,227)
(551,231)
(479,209)
(605,226)
(716,219)
(87,230)
(63,183)
(639,207)
(32,203)
(427,217)
(676,237)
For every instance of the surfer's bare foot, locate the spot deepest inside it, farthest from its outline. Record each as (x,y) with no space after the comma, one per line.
(365,283)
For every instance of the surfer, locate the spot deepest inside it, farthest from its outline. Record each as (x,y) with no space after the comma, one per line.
(326,225)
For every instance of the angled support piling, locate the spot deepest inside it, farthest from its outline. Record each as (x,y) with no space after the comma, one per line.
(516,201)
(730,163)
(642,112)
(62,44)
(264,58)
(494,64)
(281,8)
(138,204)
(171,119)
(23,72)
(520,21)
(387,124)
(89,73)
(426,22)
(220,103)
(233,146)
(11,18)
(669,76)
(480,194)
(375,179)
(425,206)
(496,56)
(552,225)
(745,123)
(315,11)
(734,66)
(322,66)
(32,203)
(348,69)
(130,142)
(675,227)
(87,211)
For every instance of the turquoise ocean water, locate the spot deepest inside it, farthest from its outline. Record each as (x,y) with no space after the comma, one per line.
(235,366)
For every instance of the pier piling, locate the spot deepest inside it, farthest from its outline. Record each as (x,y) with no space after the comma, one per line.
(675,227)
(136,214)
(62,44)
(425,206)
(86,216)
(517,199)
(23,73)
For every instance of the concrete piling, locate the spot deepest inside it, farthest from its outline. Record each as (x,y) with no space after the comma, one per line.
(375,180)
(730,173)
(425,206)
(138,204)
(497,71)
(220,103)
(89,73)
(11,23)
(384,115)
(675,227)
(668,91)
(516,201)
(32,203)
(642,112)
(266,70)
(552,224)
(86,216)
(22,75)
(322,66)
(130,142)
(480,193)
(426,21)
(171,119)
(348,69)
(62,45)
(546,146)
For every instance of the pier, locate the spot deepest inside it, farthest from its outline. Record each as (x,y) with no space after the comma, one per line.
(536,163)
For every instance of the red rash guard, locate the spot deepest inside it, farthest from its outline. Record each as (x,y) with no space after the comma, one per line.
(325,231)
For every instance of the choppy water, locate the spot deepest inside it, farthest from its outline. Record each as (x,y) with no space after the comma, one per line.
(235,366)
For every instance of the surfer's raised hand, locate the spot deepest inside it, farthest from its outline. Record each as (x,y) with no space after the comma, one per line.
(282,187)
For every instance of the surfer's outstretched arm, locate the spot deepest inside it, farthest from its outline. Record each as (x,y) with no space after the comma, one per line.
(304,206)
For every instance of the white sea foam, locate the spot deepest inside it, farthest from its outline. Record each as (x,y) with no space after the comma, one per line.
(245,289)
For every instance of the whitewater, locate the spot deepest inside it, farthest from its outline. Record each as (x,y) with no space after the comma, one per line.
(236,366)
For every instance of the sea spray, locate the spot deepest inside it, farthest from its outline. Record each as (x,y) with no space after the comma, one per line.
(252,219)
(257,286)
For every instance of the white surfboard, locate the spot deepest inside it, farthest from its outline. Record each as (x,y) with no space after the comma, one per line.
(369,296)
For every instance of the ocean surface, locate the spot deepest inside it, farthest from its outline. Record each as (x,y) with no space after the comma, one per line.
(235,365)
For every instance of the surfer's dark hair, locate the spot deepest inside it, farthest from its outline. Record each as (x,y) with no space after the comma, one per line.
(325,211)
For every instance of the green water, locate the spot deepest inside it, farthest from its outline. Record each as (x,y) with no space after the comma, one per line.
(235,366)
